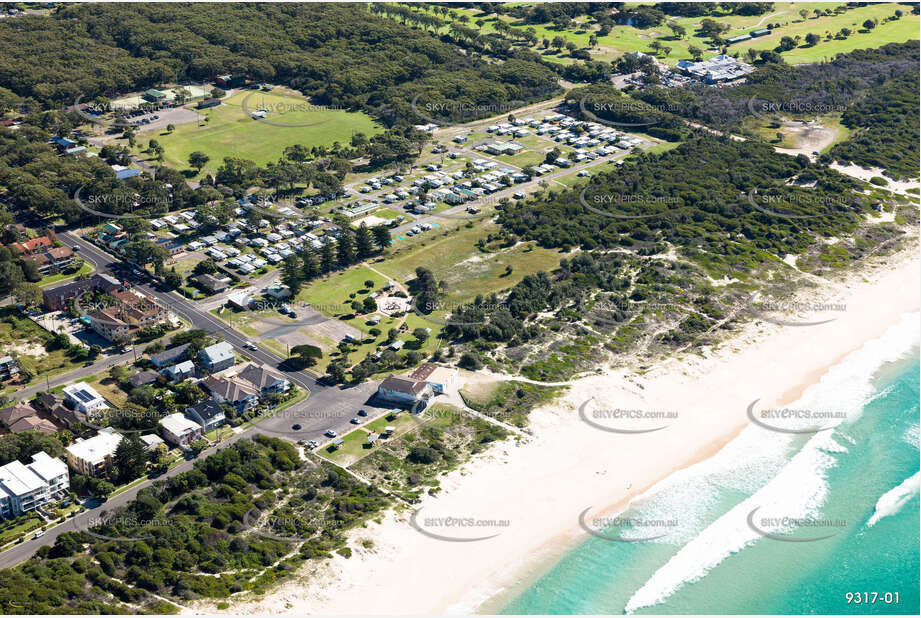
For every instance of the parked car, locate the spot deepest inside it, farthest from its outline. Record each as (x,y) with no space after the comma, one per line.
(354,420)
(330,433)
(362,413)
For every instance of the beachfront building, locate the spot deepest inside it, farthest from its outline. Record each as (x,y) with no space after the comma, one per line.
(439,378)
(93,456)
(179,430)
(410,393)
(26,487)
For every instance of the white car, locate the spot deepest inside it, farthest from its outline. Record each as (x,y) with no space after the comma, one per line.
(249,345)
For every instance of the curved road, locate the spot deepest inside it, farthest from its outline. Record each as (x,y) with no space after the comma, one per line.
(327,407)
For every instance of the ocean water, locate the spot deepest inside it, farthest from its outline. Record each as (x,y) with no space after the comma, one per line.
(775,523)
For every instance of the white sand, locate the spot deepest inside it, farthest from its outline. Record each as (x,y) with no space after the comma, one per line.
(541,486)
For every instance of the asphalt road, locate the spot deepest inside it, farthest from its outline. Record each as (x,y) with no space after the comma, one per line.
(327,407)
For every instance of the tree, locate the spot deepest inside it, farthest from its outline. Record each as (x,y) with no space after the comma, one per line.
(327,258)
(130,458)
(198,160)
(170,128)
(803,13)
(369,305)
(470,360)
(421,334)
(306,355)
(29,294)
(364,241)
(345,248)
(292,275)
(381,236)
(812,39)
(336,373)
(696,53)
(869,24)
(786,43)
(104,489)
(197,446)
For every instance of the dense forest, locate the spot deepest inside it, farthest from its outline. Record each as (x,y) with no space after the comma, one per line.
(203,533)
(338,54)
(876,89)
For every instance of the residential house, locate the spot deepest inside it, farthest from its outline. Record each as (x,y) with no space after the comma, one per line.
(26,487)
(84,397)
(130,314)
(408,392)
(56,299)
(143,378)
(151,441)
(53,260)
(179,430)
(170,356)
(93,456)
(211,283)
(237,393)
(263,379)
(180,371)
(217,357)
(9,368)
(207,413)
(55,408)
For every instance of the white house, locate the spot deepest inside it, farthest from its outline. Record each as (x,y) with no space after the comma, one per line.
(84,397)
(93,456)
(179,430)
(25,487)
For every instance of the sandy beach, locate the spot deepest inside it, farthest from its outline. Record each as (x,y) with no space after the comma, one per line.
(540,486)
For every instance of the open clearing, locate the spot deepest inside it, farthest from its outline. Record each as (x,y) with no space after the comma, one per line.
(229,130)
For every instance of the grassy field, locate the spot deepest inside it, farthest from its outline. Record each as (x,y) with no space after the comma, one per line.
(230,131)
(623,39)
(465,270)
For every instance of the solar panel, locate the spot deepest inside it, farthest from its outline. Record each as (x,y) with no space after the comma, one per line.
(84,396)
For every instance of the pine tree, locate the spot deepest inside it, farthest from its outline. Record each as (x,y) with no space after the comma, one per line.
(292,275)
(381,236)
(364,241)
(311,267)
(345,248)
(327,258)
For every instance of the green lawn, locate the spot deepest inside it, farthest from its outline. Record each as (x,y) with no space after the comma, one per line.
(85,269)
(623,39)
(230,131)
(351,450)
(330,295)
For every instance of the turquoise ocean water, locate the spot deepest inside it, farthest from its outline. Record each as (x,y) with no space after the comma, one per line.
(856,484)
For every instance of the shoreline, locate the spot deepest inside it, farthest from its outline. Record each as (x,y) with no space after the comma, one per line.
(568,466)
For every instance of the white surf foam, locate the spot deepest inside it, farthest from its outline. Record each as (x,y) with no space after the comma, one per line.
(893,500)
(798,489)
